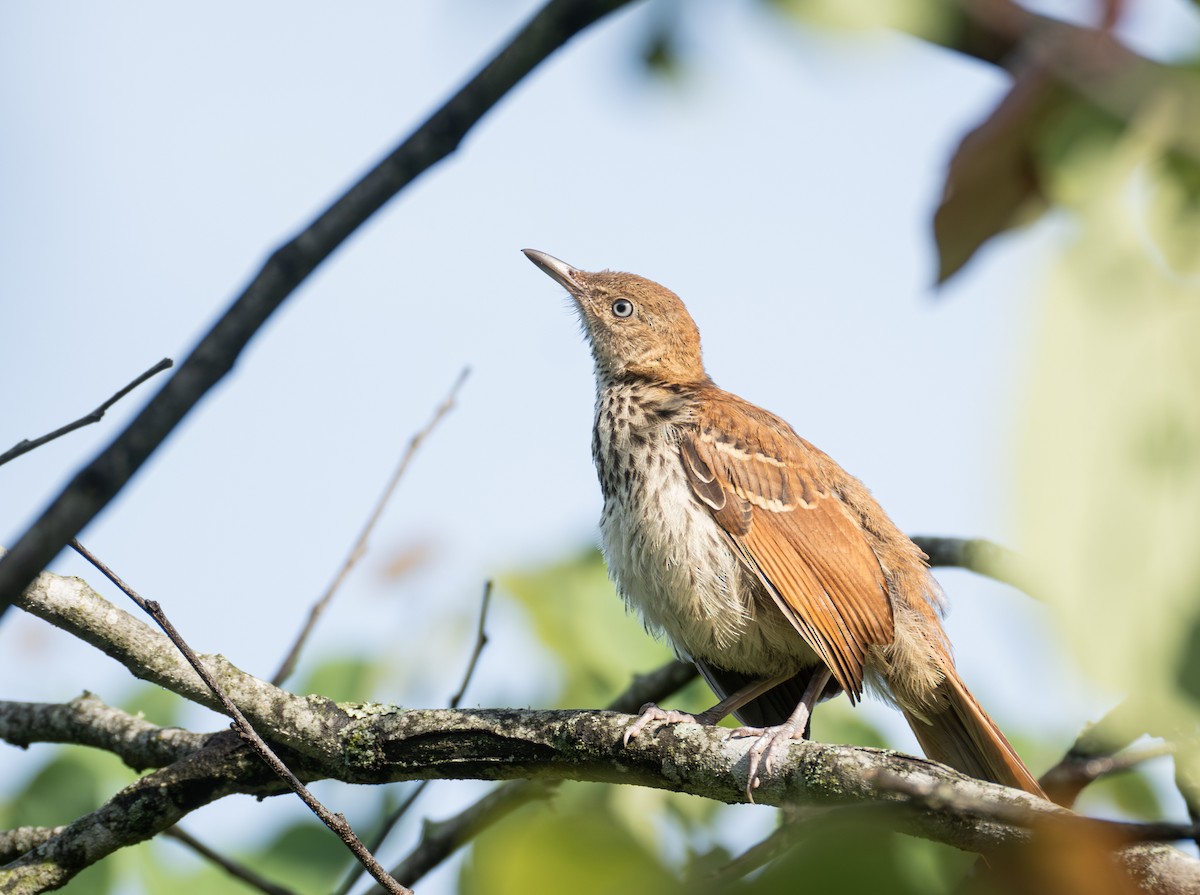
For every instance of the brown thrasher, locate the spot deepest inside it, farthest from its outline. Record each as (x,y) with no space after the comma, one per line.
(763,561)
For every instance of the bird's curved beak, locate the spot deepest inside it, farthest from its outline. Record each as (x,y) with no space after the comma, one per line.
(566,275)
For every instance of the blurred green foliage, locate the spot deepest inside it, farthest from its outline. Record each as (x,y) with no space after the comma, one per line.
(579,844)
(1111,447)
(575,613)
(862,857)
(932,20)
(1110,503)
(342,678)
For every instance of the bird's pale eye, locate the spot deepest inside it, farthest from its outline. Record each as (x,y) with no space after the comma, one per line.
(622,307)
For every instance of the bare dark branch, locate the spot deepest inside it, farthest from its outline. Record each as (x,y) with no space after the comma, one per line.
(100,481)
(380,836)
(1074,772)
(976,554)
(24,447)
(1096,743)
(233,868)
(481,640)
(653,686)
(336,822)
(360,544)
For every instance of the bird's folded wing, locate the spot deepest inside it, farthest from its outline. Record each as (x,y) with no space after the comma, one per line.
(765,488)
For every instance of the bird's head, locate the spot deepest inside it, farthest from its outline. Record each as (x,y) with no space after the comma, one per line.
(635,326)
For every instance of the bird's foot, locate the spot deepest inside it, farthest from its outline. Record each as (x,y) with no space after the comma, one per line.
(771,746)
(650,713)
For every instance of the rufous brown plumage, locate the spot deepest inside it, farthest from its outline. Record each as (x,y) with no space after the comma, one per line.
(760,558)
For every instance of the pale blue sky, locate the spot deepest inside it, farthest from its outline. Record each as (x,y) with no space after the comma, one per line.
(155,155)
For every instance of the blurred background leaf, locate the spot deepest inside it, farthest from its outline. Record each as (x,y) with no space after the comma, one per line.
(342,679)
(932,20)
(578,844)
(861,857)
(575,612)
(1111,444)
(1109,497)
(74,782)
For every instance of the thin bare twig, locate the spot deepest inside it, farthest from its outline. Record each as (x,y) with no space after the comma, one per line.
(26,445)
(976,554)
(481,640)
(288,266)
(233,868)
(246,731)
(360,544)
(377,840)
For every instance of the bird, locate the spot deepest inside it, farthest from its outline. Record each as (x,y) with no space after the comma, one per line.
(754,553)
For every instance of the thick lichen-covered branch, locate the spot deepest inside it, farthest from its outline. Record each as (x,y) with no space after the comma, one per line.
(87,721)
(370,743)
(380,744)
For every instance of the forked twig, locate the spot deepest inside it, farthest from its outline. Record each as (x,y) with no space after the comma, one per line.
(360,544)
(246,731)
(481,640)
(27,445)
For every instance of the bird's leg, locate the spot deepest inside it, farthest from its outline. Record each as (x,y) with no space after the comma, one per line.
(650,712)
(772,741)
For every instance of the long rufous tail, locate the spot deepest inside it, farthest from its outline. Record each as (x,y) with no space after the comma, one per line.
(962,736)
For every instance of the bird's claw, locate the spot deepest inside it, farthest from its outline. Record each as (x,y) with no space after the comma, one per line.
(649,713)
(771,745)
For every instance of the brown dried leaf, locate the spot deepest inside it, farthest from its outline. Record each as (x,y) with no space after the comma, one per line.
(993,184)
